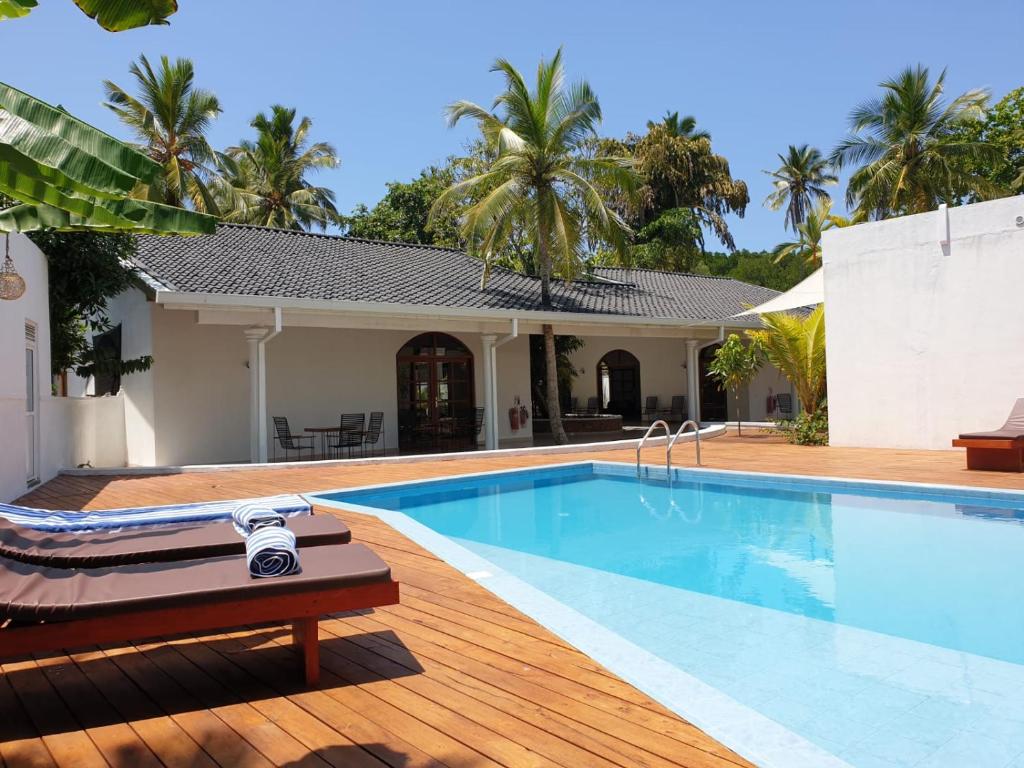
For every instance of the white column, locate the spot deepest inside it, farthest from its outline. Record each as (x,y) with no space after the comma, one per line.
(253,336)
(692,380)
(490,392)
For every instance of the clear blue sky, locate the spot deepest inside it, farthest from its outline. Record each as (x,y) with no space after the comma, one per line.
(375,76)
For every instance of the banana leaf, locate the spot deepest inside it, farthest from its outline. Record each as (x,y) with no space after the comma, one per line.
(118,15)
(15,9)
(71,176)
(112,15)
(141,217)
(64,151)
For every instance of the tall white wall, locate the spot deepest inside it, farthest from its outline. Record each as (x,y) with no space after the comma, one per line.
(31,307)
(925,340)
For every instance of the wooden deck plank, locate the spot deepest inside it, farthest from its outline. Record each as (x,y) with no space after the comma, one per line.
(452,677)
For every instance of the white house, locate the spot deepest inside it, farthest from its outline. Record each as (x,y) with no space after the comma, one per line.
(925,325)
(252,323)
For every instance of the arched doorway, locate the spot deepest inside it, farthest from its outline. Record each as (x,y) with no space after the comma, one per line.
(618,384)
(435,389)
(713,399)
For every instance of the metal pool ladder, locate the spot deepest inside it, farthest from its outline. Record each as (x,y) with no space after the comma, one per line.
(679,433)
(670,442)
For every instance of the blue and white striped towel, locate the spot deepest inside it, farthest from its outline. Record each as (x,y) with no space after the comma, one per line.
(287,505)
(270,551)
(252,515)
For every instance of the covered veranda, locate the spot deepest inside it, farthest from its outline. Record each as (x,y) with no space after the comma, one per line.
(426,370)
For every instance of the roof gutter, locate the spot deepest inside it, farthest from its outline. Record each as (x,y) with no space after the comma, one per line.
(241,302)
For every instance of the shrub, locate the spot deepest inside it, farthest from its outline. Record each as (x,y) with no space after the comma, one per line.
(806,429)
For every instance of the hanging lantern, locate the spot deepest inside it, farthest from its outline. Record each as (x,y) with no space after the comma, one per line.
(12,285)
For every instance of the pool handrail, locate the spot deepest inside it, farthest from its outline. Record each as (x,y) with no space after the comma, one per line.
(668,450)
(679,433)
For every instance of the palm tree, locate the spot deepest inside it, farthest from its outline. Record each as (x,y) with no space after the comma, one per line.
(799,180)
(265,180)
(807,245)
(169,118)
(685,126)
(909,154)
(542,180)
(796,346)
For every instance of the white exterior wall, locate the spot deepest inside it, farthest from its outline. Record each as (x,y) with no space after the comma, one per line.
(31,307)
(663,373)
(662,366)
(925,340)
(192,407)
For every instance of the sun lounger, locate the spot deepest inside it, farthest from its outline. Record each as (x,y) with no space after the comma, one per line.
(151,544)
(48,609)
(1001,449)
(288,505)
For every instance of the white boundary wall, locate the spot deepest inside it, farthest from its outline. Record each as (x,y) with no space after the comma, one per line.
(33,308)
(925,338)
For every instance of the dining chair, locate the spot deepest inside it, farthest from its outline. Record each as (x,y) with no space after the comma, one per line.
(289,441)
(374,432)
(350,433)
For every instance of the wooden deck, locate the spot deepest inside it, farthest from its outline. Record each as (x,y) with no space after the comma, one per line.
(451,677)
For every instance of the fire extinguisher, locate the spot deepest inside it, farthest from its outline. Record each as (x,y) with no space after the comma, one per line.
(770,405)
(513,418)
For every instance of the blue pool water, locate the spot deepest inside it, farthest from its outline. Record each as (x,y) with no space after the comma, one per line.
(883,625)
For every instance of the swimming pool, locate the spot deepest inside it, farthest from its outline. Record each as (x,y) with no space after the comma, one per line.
(802,621)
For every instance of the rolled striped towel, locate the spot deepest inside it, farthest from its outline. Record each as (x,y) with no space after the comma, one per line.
(270,551)
(250,516)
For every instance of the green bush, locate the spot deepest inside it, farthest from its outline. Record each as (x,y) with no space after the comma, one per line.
(806,429)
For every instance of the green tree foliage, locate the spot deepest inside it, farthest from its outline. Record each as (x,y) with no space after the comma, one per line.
(733,366)
(1003,128)
(799,182)
(685,126)
(112,15)
(85,270)
(169,117)
(402,214)
(807,245)
(265,180)
(907,150)
(756,268)
(542,180)
(796,346)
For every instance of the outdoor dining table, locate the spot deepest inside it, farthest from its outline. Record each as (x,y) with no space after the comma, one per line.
(326,432)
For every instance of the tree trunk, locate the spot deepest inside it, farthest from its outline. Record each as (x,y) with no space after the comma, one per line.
(739,419)
(554,402)
(550,358)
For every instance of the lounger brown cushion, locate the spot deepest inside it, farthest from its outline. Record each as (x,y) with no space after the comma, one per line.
(37,593)
(160,544)
(996,434)
(1013,429)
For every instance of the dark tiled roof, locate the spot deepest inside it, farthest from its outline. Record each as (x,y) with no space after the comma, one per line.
(257,261)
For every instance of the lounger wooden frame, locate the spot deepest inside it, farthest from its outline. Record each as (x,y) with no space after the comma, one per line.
(994,454)
(302,609)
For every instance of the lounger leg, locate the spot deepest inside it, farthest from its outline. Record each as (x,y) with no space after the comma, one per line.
(304,634)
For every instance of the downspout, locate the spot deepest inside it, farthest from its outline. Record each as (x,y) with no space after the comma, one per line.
(492,396)
(278,325)
(696,373)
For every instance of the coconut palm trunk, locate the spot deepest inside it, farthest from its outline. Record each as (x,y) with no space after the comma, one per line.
(550,355)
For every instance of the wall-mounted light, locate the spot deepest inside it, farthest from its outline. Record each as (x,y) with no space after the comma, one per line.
(12,285)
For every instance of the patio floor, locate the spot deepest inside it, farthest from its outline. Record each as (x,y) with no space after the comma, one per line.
(453,676)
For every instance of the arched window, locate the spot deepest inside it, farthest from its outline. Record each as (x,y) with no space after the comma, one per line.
(618,384)
(435,389)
